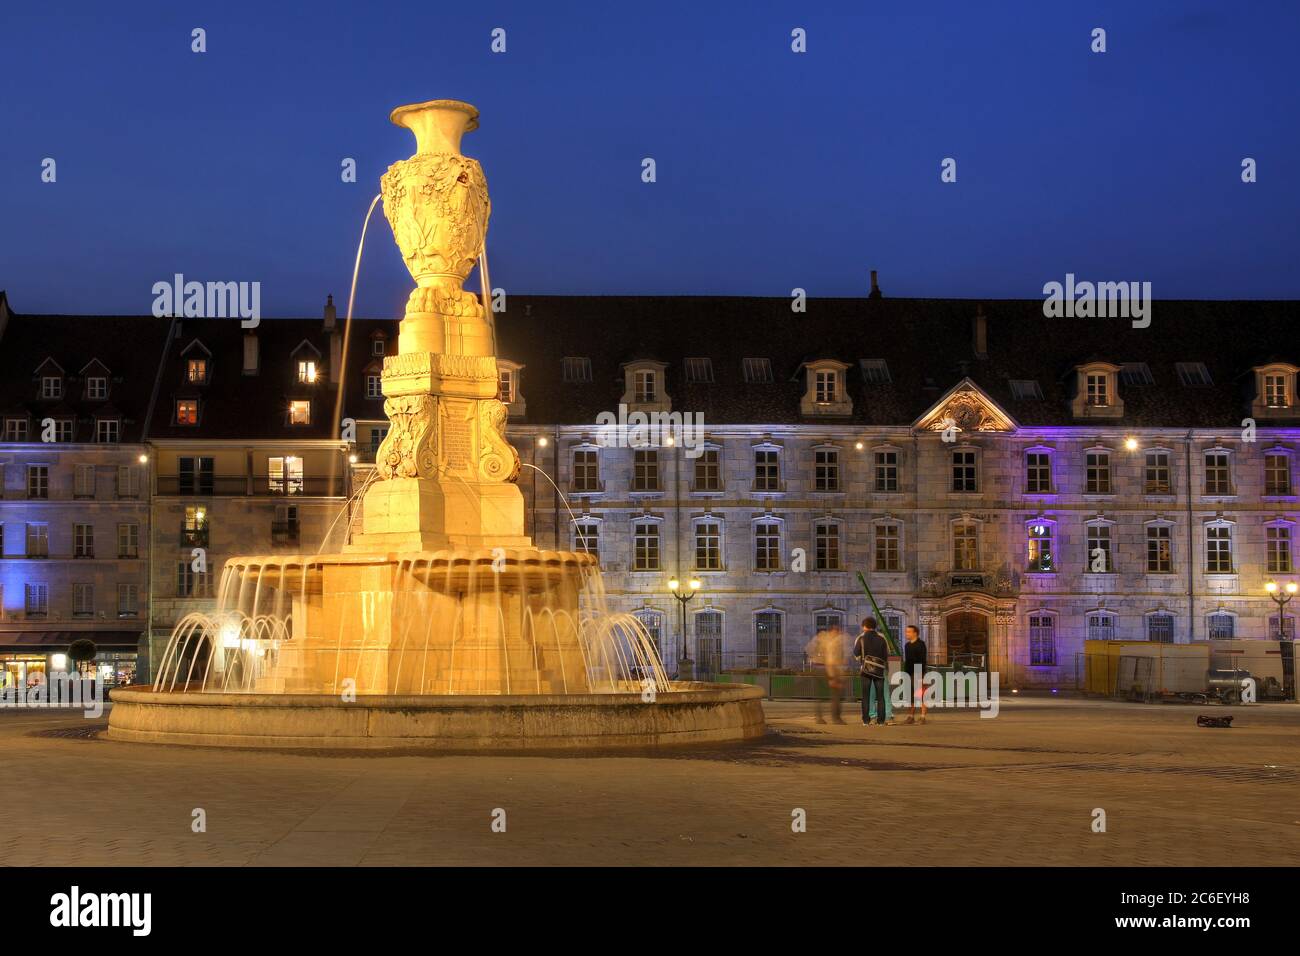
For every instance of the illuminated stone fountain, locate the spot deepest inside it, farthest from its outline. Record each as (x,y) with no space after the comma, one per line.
(440,625)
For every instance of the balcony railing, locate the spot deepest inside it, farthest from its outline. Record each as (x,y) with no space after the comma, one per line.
(194,537)
(232,486)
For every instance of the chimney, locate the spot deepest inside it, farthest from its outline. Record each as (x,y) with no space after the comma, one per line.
(875,286)
(980,334)
(331,316)
(250,353)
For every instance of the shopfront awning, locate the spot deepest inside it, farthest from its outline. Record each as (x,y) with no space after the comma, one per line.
(54,642)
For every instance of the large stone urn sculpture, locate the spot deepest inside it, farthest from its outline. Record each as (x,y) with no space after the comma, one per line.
(446,470)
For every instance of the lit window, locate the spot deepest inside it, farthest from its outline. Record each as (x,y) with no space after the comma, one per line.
(284,475)
(307,372)
(187,411)
(300,413)
(1042,558)
(196,371)
(826,387)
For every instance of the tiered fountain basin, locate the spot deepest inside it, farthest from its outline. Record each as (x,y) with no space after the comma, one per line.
(461,649)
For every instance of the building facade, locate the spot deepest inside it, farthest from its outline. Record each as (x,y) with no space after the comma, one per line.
(1011,484)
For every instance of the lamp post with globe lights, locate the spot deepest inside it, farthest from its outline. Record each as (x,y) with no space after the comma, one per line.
(684,595)
(1281,595)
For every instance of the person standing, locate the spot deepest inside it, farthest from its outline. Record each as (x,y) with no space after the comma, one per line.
(827,651)
(914,663)
(872,653)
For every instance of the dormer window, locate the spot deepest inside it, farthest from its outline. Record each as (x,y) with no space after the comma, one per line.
(1097,394)
(824,392)
(15,429)
(307,372)
(300,413)
(108,430)
(51,387)
(1275,391)
(377,346)
(374,386)
(196,371)
(643,386)
(97,388)
(510,379)
(187,411)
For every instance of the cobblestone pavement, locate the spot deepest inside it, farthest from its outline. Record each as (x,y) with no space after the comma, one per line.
(960,790)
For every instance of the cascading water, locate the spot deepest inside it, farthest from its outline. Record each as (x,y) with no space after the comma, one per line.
(444,622)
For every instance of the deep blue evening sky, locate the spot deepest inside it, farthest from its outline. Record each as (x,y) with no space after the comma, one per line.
(775,170)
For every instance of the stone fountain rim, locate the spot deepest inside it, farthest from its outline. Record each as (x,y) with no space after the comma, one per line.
(683,692)
(452,556)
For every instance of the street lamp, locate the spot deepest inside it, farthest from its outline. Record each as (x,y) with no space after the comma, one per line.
(684,595)
(1281,595)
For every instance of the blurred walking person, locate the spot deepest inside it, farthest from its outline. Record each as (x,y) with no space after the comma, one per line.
(826,650)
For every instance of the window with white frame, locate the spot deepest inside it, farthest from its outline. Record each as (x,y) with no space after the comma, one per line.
(128,540)
(1277,390)
(300,412)
(1281,630)
(108,430)
(51,387)
(767,546)
(645,546)
(284,475)
(374,386)
(826,469)
(1042,550)
(83,540)
(708,545)
(96,388)
(1099,559)
(826,546)
(505,384)
(1158,478)
(1042,639)
(1218,472)
(645,469)
(965,474)
(1160,549)
(128,482)
(1218,549)
(1038,473)
(1277,473)
(377,346)
(306,372)
(708,470)
(1221,626)
(38,481)
(645,388)
(36,599)
(83,599)
(886,470)
(1160,628)
(15,429)
(38,539)
(83,481)
(1101,626)
(1278,544)
(128,600)
(1097,479)
(196,371)
(965,546)
(586,470)
(191,583)
(586,538)
(768,639)
(887,550)
(63,430)
(826,386)
(1098,389)
(767,469)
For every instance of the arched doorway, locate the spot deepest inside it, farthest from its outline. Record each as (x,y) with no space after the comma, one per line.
(967,634)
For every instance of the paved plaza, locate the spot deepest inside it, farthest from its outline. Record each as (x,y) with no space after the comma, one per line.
(960,790)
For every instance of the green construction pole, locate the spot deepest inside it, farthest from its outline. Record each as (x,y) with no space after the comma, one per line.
(880,618)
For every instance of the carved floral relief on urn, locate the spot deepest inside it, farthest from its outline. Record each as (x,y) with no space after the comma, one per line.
(437,204)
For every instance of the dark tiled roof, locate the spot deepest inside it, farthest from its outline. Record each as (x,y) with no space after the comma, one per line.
(128,346)
(238,406)
(926,342)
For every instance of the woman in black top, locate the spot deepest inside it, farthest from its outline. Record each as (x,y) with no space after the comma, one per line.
(914,664)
